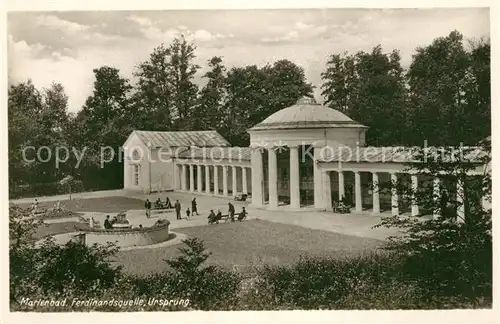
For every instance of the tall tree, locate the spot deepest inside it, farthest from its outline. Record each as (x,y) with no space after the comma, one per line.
(255,93)
(209,113)
(437,78)
(339,81)
(370,88)
(103,121)
(24,108)
(152,99)
(184,91)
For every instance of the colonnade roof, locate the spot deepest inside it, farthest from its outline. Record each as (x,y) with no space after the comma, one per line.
(400,154)
(307,113)
(181,139)
(218,153)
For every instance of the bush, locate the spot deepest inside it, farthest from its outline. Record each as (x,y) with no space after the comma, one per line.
(207,287)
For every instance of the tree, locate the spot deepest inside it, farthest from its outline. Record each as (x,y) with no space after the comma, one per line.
(339,81)
(255,93)
(451,254)
(437,78)
(152,107)
(181,71)
(209,112)
(102,122)
(370,88)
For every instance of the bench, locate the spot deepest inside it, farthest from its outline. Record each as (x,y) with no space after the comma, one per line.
(227,219)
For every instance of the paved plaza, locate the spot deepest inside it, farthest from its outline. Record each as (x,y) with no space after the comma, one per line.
(356,224)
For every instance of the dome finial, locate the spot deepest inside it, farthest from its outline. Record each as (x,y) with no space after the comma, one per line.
(306,101)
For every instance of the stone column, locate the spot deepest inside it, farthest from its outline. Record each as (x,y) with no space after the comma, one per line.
(198,178)
(375,193)
(191,177)
(207,178)
(257,177)
(294,177)
(357,191)
(234,184)
(327,190)
(394,198)
(460,201)
(224,180)
(414,188)
(318,179)
(273,178)
(244,183)
(184,177)
(341,185)
(216,179)
(176,176)
(437,197)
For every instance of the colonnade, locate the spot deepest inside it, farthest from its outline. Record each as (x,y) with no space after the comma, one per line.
(394,178)
(212,174)
(258,177)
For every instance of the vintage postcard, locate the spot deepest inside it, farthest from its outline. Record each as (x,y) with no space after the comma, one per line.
(260,159)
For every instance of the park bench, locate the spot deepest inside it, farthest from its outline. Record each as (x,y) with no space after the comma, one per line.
(227,218)
(162,205)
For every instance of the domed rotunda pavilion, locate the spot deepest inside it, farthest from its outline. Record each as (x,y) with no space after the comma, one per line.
(302,157)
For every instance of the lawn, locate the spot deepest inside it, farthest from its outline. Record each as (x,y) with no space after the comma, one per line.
(103,205)
(254,242)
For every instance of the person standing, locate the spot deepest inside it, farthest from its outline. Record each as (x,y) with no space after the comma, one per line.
(231,211)
(177,209)
(147,205)
(187,214)
(194,208)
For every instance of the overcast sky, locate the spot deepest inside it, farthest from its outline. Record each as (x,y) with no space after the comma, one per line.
(65,46)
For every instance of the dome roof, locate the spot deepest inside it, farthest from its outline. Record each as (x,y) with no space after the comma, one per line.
(306,113)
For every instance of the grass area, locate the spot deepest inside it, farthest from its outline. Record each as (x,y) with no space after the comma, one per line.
(252,243)
(103,205)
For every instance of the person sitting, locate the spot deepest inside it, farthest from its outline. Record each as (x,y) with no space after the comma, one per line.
(242,215)
(107,223)
(158,204)
(218,216)
(211,217)
(114,220)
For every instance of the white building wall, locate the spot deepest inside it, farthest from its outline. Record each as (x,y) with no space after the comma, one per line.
(135,144)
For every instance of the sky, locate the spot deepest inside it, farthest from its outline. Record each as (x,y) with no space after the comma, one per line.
(65,47)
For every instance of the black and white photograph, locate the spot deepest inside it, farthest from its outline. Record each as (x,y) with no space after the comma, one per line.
(180,160)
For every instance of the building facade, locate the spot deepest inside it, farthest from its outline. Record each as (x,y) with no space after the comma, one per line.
(302,157)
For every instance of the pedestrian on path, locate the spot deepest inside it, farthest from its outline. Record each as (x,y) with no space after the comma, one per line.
(194,207)
(177,209)
(147,205)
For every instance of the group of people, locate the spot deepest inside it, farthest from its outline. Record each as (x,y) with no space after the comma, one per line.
(215,218)
(108,224)
(189,212)
(177,206)
(212,217)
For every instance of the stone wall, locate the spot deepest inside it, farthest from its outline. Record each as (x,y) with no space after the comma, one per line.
(128,237)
